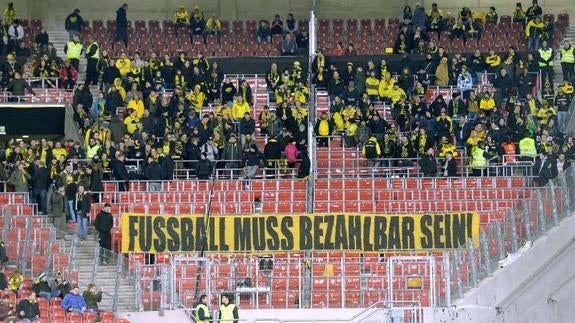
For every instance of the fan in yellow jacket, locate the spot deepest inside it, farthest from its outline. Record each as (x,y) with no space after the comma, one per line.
(487,103)
(197,98)
(385,85)
(131,121)
(137,104)
(124,64)
(396,93)
(545,112)
(239,108)
(182,16)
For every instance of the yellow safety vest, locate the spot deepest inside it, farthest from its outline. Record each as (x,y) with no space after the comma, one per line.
(527,147)
(92,151)
(478,160)
(74,50)
(372,86)
(227,313)
(206,312)
(567,55)
(545,55)
(97,53)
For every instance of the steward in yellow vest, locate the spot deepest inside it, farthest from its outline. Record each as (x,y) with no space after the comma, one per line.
(228,311)
(202,310)
(568,62)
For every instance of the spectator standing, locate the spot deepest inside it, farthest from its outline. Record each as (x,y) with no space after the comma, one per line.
(291,25)
(15,35)
(74,23)
(3,280)
(182,17)
(93,57)
(40,183)
(518,13)
(252,158)
(103,223)
(545,59)
(58,211)
(92,296)
(428,163)
(120,172)
(28,309)
(277,26)
(15,281)
(264,32)
(74,302)
(153,173)
(20,178)
(73,51)
(568,62)
(122,24)
(9,14)
(533,11)
(82,212)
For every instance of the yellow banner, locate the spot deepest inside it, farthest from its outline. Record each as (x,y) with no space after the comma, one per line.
(282,233)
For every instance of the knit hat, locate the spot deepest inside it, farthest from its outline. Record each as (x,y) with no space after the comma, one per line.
(42,275)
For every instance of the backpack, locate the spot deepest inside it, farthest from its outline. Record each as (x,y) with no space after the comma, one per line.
(370,149)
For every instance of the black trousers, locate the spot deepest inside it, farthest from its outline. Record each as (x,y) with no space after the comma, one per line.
(92,71)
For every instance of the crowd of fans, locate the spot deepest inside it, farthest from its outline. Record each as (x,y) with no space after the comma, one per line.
(20,301)
(153,108)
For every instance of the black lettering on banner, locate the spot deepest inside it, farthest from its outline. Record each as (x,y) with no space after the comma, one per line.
(426,239)
(242,230)
(160,240)
(394,233)
(458,230)
(287,242)
(448,234)
(407,238)
(367,245)
(200,232)
(175,240)
(354,231)
(145,234)
(328,242)
(187,238)
(132,221)
(469,218)
(223,246)
(379,234)
(273,240)
(340,233)
(259,233)
(438,232)
(317,232)
(212,246)
(305,237)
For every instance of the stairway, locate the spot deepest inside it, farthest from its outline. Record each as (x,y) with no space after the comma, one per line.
(59,38)
(558,73)
(105,276)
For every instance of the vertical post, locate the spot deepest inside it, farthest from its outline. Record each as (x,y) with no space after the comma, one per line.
(472,262)
(312,111)
(447,279)
(499,237)
(514,237)
(485,253)
(526,224)
(138,292)
(554,210)
(95,263)
(540,214)
(119,272)
(565,191)
(459,283)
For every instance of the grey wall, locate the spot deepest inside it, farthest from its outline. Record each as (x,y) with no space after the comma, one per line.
(53,12)
(543,273)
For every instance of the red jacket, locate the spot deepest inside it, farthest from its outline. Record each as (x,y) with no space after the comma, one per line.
(65,71)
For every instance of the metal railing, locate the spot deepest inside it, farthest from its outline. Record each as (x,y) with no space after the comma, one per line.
(500,240)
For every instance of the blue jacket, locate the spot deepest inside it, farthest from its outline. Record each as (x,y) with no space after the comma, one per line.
(73,301)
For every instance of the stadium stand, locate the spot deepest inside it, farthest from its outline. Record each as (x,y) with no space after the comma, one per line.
(509,196)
